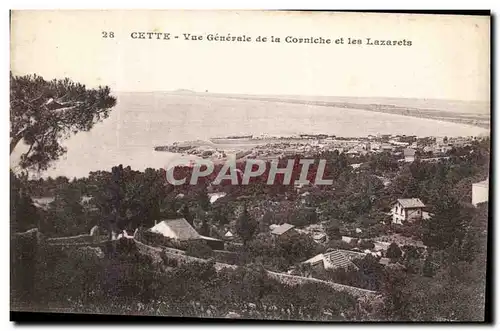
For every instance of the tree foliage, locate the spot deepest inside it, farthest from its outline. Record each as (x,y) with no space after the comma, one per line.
(199,249)
(281,253)
(394,252)
(43,113)
(246,226)
(23,213)
(333,230)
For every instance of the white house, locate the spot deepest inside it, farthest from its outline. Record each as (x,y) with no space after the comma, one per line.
(409,154)
(439,140)
(480,192)
(375,146)
(386,147)
(319,237)
(405,210)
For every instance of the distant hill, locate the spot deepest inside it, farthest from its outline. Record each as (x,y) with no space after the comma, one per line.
(182,90)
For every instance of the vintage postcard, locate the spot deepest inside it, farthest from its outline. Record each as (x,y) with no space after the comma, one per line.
(254,165)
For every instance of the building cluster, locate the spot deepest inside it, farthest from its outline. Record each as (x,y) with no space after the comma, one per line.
(267,148)
(406,147)
(403,211)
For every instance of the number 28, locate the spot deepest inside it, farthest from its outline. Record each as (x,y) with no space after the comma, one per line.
(110,34)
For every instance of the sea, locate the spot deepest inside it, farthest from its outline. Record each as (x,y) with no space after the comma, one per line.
(141,121)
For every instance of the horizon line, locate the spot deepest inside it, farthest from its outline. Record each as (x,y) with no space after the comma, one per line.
(189,91)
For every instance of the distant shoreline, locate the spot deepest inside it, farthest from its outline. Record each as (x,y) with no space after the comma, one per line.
(142,121)
(478,120)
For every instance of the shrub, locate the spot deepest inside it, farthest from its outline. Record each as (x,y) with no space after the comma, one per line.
(333,231)
(398,228)
(197,248)
(393,252)
(354,242)
(303,217)
(168,261)
(366,244)
(339,244)
(156,239)
(410,231)
(376,230)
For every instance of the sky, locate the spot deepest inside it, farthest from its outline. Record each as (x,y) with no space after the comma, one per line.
(448,59)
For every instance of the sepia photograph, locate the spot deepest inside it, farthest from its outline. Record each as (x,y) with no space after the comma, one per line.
(250,165)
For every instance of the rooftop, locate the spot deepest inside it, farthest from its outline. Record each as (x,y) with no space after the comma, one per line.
(411,203)
(352,254)
(336,259)
(282,228)
(409,152)
(176,228)
(210,238)
(484,183)
(385,261)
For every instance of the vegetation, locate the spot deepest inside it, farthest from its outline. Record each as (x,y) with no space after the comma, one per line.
(23,213)
(368,274)
(198,249)
(42,113)
(445,280)
(333,230)
(246,226)
(393,252)
(279,254)
(89,282)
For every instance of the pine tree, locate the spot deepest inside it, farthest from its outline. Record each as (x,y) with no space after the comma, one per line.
(333,230)
(45,112)
(205,228)
(220,216)
(394,252)
(265,222)
(184,211)
(428,268)
(447,225)
(246,226)
(202,198)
